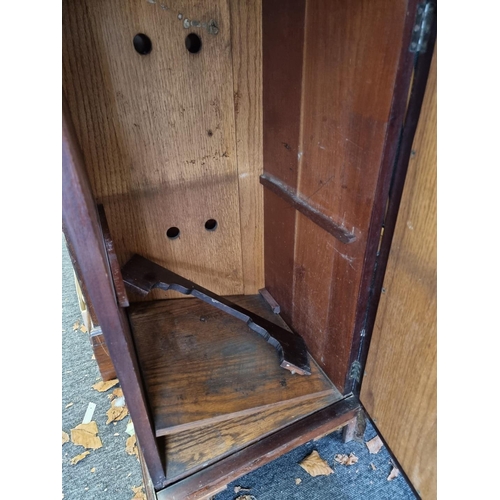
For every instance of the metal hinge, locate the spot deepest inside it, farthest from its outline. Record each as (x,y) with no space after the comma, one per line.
(355,372)
(422,28)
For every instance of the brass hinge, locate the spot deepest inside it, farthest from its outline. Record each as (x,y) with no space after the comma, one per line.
(422,28)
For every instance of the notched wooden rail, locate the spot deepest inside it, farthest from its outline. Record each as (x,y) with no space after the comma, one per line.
(303,206)
(142,275)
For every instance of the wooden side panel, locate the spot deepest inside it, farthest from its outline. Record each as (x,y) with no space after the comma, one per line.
(246,42)
(350,61)
(399,387)
(158,132)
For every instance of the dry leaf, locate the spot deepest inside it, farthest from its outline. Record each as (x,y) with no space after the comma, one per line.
(237,489)
(298,480)
(83,329)
(69,404)
(75,326)
(86,435)
(76,459)
(373,467)
(374,445)
(65,437)
(118,392)
(116,413)
(346,460)
(93,469)
(138,493)
(393,475)
(131,446)
(315,465)
(104,386)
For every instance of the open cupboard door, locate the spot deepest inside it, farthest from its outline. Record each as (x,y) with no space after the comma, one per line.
(239,146)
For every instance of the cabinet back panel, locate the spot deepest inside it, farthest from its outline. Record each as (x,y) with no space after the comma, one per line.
(159,132)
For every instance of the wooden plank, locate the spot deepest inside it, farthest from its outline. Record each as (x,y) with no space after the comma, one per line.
(189,451)
(250,458)
(399,387)
(201,365)
(158,133)
(353,53)
(82,231)
(101,354)
(282,40)
(246,45)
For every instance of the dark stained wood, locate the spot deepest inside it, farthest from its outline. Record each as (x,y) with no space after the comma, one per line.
(202,366)
(82,230)
(189,451)
(354,59)
(282,41)
(304,207)
(121,293)
(400,385)
(101,354)
(250,458)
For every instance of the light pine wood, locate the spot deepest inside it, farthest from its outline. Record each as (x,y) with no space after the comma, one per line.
(202,366)
(246,41)
(399,387)
(159,137)
(189,451)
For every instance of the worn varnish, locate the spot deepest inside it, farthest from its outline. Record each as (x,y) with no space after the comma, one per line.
(170,139)
(187,452)
(327,113)
(399,387)
(202,366)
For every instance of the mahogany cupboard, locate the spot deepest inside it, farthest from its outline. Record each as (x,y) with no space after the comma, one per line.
(219,149)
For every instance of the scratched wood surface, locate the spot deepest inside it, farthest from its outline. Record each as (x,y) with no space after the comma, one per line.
(201,365)
(160,132)
(326,116)
(399,387)
(191,450)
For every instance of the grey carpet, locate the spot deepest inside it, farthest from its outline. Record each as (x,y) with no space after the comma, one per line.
(116,472)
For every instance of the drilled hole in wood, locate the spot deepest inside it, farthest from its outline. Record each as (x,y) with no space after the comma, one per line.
(142,44)
(173,233)
(211,225)
(193,43)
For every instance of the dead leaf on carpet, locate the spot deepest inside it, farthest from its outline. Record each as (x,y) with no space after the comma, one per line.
(77,459)
(76,326)
(374,445)
(314,465)
(373,467)
(393,475)
(237,489)
(298,480)
(131,446)
(118,392)
(116,413)
(138,493)
(105,386)
(65,437)
(350,459)
(93,469)
(86,435)
(69,404)
(83,329)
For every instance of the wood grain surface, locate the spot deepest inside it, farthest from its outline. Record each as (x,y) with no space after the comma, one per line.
(189,451)
(399,386)
(202,366)
(327,113)
(158,132)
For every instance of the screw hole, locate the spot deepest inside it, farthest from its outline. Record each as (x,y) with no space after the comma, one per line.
(211,225)
(142,44)
(173,233)
(193,43)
